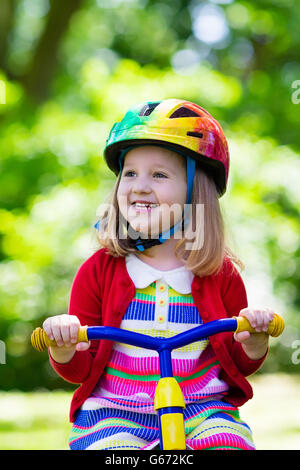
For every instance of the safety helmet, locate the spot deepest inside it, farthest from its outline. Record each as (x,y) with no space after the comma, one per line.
(180,125)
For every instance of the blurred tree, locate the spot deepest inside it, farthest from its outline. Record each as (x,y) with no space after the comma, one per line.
(42,68)
(7,12)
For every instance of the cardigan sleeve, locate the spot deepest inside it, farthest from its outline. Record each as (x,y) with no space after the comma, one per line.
(85,303)
(235,299)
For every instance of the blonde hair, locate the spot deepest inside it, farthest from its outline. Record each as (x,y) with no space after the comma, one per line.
(209,248)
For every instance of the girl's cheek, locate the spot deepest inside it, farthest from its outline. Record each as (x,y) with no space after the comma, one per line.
(122,196)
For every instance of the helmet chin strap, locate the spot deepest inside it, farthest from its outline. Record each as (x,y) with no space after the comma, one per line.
(144,244)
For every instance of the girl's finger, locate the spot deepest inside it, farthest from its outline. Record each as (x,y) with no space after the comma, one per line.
(74,327)
(242,336)
(250,315)
(259,320)
(48,329)
(263,320)
(83,346)
(56,330)
(268,317)
(65,330)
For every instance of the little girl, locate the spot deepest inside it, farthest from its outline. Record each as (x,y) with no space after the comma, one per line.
(160,271)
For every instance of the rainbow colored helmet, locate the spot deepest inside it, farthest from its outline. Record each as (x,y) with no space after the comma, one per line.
(182,125)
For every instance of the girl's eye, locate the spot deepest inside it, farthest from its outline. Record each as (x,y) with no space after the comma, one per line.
(129,173)
(157,174)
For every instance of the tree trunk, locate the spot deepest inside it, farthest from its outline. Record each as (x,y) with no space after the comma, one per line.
(37,80)
(7,12)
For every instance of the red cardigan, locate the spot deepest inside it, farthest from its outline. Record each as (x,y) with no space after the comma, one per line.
(100,295)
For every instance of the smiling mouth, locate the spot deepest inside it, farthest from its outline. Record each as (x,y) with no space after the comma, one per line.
(145,204)
(144,207)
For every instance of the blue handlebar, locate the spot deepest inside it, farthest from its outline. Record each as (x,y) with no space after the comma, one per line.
(163,346)
(159,344)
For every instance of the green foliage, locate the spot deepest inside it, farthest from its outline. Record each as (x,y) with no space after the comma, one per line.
(52,178)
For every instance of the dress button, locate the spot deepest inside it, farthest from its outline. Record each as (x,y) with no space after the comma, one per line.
(161,319)
(161,288)
(161,302)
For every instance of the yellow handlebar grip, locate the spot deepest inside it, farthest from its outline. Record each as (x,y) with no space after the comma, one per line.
(276,326)
(40,341)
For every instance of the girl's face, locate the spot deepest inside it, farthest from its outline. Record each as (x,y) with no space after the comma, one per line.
(152,189)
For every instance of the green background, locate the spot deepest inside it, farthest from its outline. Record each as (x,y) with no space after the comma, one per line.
(68,71)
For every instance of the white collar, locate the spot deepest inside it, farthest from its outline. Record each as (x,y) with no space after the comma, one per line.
(142,275)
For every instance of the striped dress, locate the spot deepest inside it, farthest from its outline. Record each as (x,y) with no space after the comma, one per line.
(120,412)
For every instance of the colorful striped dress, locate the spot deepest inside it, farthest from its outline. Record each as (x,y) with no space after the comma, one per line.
(120,412)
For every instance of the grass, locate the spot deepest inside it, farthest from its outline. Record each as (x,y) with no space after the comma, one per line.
(39,420)
(274,412)
(34,421)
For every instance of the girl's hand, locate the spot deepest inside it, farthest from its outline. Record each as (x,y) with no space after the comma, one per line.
(64,330)
(255,345)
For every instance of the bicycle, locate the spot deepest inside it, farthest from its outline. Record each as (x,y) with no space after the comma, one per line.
(168,400)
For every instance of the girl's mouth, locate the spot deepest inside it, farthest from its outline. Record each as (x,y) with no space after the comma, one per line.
(144,207)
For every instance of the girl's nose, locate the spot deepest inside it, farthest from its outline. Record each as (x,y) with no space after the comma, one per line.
(141,185)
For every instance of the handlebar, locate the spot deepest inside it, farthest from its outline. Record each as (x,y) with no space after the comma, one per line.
(40,341)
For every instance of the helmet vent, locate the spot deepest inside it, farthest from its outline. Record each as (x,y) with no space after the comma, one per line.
(183,112)
(148,108)
(195,134)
